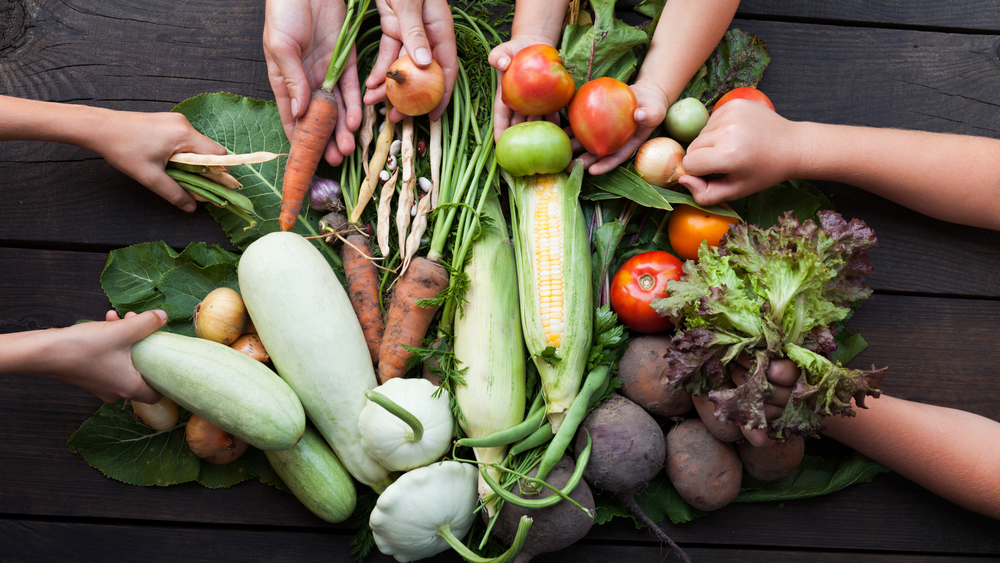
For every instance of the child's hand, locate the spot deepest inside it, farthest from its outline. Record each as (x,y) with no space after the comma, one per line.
(139,145)
(425,30)
(500,57)
(299,36)
(750,145)
(97,356)
(652,108)
(782,374)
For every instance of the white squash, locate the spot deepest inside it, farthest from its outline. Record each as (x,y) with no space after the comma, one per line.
(398,442)
(307,324)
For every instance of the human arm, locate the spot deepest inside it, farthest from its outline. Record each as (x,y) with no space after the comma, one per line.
(137,144)
(299,37)
(534,23)
(687,32)
(949,177)
(95,356)
(426,29)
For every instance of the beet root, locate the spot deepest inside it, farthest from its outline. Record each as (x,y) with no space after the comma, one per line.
(773,461)
(555,527)
(706,471)
(644,381)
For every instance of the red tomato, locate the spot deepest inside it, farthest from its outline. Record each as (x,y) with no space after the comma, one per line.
(602,115)
(744,93)
(688,226)
(536,83)
(640,280)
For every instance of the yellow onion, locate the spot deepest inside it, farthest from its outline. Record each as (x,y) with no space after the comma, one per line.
(251,345)
(211,443)
(161,415)
(414,90)
(221,317)
(659,161)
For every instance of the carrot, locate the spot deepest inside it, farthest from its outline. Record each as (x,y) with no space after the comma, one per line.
(407,322)
(312,133)
(363,289)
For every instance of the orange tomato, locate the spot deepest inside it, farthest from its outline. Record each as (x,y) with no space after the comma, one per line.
(688,226)
(744,93)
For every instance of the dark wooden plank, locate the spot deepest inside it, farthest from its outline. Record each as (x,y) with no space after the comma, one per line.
(25,541)
(970,15)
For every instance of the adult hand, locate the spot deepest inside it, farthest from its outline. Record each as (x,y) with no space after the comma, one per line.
(782,374)
(500,57)
(97,356)
(426,30)
(139,145)
(299,37)
(750,145)
(652,108)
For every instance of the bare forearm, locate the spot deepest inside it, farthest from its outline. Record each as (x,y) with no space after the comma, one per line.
(540,19)
(27,352)
(32,120)
(950,452)
(687,32)
(955,178)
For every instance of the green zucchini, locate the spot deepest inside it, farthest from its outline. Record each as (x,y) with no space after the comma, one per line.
(229,389)
(316,477)
(307,325)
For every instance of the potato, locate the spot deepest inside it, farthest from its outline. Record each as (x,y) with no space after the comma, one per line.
(725,431)
(705,470)
(643,380)
(773,461)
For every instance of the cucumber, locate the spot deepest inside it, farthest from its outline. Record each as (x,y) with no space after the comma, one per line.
(307,325)
(316,477)
(229,389)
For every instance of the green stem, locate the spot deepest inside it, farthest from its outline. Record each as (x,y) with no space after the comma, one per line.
(345,42)
(522,532)
(399,412)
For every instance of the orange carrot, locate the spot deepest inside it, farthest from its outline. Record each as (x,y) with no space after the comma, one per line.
(407,323)
(363,289)
(312,133)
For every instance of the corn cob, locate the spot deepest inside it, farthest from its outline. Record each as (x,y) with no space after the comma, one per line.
(488,342)
(553,268)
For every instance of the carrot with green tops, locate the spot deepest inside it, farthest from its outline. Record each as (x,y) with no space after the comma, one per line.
(313,130)
(363,290)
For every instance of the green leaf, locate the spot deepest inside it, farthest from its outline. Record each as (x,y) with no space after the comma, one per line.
(623,182)
(244,125)
(152,275)
(800,197)
(738,60)
(814,476)
(650,8)
(122,448)
(590,52)
(606,240)
(848,346)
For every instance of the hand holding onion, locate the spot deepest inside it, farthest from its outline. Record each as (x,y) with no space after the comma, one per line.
(414,90)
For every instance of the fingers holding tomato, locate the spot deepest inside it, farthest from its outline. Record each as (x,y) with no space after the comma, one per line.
(744,93)
(641,279)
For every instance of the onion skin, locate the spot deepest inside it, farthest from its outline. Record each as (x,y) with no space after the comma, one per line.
(161,415)
(211,443)
(221,317)
(414,90)
(251,345)
(660,161)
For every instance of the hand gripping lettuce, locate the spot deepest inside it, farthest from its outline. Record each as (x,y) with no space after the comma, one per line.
(772,293)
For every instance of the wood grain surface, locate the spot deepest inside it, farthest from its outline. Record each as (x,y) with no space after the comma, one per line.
(935,318)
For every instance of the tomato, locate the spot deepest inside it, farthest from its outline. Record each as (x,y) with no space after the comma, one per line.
(536,82)
(688,226)
(602,115)
(534,147)
(640,280)
(685,119)
(744,93)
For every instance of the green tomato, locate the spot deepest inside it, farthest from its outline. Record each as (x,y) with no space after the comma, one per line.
(685,119)
(534,147)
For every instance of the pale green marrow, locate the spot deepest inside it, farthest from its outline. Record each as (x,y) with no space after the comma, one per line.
(227,388)
(316,477)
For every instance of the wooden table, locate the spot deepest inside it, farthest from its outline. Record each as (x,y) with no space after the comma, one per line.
(935,317)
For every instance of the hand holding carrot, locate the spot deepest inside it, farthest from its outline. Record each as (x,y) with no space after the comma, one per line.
(94,356)
(425,29)
(299,39)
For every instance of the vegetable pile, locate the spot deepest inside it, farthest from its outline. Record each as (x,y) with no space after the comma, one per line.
(452,339)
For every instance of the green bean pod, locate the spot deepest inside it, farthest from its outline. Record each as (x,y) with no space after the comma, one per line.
(508,436)
(574,416)
(541,436)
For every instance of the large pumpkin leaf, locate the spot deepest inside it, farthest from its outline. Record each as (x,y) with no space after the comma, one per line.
(244,125)
(124,449)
